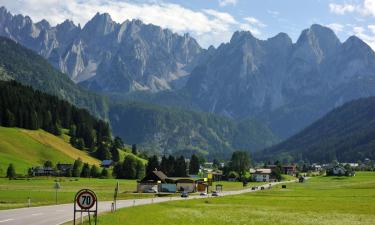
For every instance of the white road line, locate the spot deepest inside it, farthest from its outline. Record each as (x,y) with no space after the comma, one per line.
(37,214)
(7,220)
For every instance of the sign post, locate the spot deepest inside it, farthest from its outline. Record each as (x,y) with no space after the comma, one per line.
(56,187)
(86,201)
(117,188)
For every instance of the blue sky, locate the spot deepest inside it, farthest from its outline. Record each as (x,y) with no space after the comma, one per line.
(212,22)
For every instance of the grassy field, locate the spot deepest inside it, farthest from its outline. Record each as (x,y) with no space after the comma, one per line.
(26,148)
(14,193)
(321,200)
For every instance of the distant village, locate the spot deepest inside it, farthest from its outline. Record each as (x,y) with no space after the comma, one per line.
(211,174)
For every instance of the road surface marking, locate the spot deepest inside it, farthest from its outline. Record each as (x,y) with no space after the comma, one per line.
(3,221)
(37,214)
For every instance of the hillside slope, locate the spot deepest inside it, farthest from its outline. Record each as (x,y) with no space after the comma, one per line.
(346,134)
(25,66)
(27,148)
(166,130)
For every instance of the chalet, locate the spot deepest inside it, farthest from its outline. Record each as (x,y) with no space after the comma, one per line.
(107,163)
(63,169)
(288,169)
(261,175)
(151,181)
(185,184)
(43,171)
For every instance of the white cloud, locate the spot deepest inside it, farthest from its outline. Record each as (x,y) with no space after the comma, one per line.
(367,8)
(341,9)
(336,27)
(223,3)
(273,13)
(253,25)
(361,32)
(254,21)
(208,26)
(255,31)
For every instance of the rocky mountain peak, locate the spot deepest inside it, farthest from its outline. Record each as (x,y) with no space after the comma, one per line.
(240,36)
(43,24)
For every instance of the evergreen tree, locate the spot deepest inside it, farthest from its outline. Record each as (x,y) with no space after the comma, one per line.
(194,165)
(11,172)
(216,164)
(153,163)
(180,167)
(9,120)
(171,165)
(34,124)
(140,170)
(80,144)
(115,153)
(129,167)
(77,168)
(118,143)
(117,171)
(104,173)
(164,165)
(94,172)
(134,149)
(240,162)
(85,170)
(102,152)
(48,163)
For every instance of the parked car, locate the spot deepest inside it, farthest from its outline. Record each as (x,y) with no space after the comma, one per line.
(215,193)
(262,188)
(184,194)
(254,188)
(151,191)
(203,194)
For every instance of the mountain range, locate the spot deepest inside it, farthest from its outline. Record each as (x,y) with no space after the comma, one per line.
(155,129)
(345,134)
(107,56)
(286,86)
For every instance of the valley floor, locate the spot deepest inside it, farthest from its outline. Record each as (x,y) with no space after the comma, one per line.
(321,200)
(15,193)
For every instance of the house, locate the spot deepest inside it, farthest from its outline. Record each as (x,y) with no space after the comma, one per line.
(338,170)
(152,180)
(63,169)
(43,171)
(107,163)
(185,184)
(201,185)
(287,169)
(316,167)
(262,175)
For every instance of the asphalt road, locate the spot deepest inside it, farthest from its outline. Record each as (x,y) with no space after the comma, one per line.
(58,214)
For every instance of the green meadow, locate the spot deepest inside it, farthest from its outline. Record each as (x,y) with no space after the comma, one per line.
(321,200)
(14,193)
(28,148)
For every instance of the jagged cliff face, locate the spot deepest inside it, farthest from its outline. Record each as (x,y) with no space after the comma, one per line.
(287,85)
(107,56)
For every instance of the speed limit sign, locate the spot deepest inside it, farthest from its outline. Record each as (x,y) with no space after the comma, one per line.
(86,200)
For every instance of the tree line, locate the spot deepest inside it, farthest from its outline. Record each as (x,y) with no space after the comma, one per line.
(24,107)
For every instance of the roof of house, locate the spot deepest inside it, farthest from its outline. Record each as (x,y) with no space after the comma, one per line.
(155,176)
(107,162)
(263,171)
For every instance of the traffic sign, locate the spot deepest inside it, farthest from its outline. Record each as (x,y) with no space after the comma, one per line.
(86,200)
